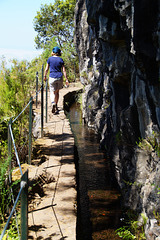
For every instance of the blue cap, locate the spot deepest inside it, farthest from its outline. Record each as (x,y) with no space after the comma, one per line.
(56,50)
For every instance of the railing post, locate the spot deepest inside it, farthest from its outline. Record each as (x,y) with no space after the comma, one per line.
(24,207)
(9,145)
(46,100)
(30,131)
(42,105)
(9,152)
(36,89)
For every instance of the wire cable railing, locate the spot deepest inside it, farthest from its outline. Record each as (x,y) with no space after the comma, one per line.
(23,192)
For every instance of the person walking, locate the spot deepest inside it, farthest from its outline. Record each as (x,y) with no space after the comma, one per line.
(57,69)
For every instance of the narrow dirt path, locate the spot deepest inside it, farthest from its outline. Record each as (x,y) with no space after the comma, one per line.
(53,215)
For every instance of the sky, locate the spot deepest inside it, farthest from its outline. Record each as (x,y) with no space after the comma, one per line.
(16,28)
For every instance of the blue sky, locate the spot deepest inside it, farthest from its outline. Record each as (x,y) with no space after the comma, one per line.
(16,28)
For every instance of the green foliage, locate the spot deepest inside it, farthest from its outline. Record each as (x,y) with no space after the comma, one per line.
(15,92)
(14,85)
(84,75)
(5,193)
(11,233)
(124,233)
(134,229)
(151,143)
(54,25)
(5,189)
(55,21)
(157,216)
(70,58)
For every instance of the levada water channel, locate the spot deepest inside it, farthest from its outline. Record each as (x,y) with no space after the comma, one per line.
(98,198)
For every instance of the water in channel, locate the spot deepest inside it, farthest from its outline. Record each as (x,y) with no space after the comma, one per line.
(98,198)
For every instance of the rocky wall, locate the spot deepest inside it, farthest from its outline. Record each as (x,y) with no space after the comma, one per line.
(118,46)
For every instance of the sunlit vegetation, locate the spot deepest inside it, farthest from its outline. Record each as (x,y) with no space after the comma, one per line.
(54,27)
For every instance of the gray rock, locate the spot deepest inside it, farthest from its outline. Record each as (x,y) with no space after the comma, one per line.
(118,46)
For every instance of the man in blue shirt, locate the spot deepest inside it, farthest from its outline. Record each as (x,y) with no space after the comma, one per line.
(56,64)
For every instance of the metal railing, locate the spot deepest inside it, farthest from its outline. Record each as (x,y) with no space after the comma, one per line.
(23,192)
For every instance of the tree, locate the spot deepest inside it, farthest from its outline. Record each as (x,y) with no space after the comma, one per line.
(55,21)
(54,25)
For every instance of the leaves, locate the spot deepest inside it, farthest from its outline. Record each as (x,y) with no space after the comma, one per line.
(151,143)
(54,24)
(55,21)
(134,229)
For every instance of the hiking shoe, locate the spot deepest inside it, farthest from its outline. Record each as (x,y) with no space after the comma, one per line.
(56,112)
(53,108)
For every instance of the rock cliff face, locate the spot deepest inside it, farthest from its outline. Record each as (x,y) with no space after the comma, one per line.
(119,52)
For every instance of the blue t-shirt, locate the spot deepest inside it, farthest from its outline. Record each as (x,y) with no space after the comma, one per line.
(55,64)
